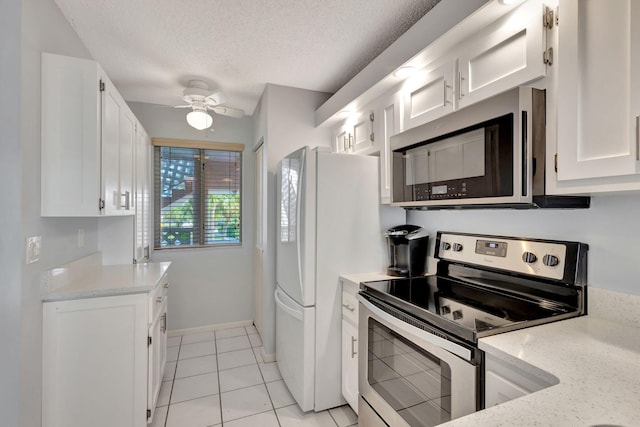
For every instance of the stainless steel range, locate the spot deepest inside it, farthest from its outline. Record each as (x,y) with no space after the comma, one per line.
(421,333)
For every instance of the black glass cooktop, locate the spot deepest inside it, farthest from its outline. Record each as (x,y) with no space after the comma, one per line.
(468,309)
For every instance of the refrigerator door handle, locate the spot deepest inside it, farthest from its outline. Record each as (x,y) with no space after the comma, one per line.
(292,312)
(300,190)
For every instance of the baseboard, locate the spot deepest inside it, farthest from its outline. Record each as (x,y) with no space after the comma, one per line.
(267,357)
(208,328)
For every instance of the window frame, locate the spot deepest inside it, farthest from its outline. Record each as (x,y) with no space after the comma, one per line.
(202,146)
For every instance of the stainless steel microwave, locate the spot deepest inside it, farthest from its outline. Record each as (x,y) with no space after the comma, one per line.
(490,154)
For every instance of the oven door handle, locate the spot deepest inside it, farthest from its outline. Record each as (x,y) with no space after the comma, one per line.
(435,340)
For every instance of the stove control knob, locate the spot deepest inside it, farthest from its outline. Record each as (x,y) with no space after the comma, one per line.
(457,315)
(529,257)
(446,246)
(550,260)
(457,247)
(445,309)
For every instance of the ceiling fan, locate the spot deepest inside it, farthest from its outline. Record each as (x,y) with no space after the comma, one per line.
(201,100)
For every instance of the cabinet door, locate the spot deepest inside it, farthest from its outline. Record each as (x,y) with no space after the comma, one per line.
(70,164)
(429,95)
(126,159)
(157,356)
(111,116)
(506,54)
(350,364)
(95,362)
(342,140)
(388,119)
(598,91)
(363,132)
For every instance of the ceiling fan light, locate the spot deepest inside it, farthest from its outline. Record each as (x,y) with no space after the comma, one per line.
(199,119)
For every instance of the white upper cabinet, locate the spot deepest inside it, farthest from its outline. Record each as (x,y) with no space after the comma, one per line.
(598,96)
(87,139)
(505,54)
(356,135)
(429,95)
(388,124)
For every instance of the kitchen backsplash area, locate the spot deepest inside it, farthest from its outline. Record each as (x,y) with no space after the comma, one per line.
(609,227)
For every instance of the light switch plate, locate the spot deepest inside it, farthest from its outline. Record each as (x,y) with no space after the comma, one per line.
(33,249)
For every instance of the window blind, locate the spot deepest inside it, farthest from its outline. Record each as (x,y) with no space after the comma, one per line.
(197,197)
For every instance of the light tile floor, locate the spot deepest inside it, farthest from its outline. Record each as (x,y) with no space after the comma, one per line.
(219,378)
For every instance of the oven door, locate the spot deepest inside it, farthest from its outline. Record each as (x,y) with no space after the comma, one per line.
(411,377)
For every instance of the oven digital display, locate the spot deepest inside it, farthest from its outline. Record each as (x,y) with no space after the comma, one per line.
(491,247)
(439,189)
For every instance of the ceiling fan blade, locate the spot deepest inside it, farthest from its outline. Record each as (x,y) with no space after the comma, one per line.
(226,111)
(216,98)
(182,106)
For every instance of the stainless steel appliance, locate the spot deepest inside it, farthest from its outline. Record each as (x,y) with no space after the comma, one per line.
(491,153)
(406,250)
(421,334)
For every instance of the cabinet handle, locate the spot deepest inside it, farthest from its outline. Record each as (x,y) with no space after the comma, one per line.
(353,352)
(460,79)
(350,141)
(127,200)
(444,93)
(163,325)
(348,307)
(146,255)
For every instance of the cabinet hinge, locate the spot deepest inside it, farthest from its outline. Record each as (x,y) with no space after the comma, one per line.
(555,162)
(547,56)
(100,204)
(149,340)
(547,18)
(101,87)
(148,413)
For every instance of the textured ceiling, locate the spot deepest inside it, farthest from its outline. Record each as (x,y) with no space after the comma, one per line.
(151,48)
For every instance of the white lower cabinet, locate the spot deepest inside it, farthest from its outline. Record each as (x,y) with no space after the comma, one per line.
(350,344)
(103,359)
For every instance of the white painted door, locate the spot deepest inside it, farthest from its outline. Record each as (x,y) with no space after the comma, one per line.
(126,159)
(111,116)
(504,55)
(363,131)
(350,364)
(598,91)
(429,95)
(95,362)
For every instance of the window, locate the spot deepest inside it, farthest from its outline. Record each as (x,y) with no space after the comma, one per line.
(198,194)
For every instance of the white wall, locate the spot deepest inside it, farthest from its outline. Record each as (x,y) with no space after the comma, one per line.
(285,120)
(43,29)
(610,227)
(208,285)
(11,240)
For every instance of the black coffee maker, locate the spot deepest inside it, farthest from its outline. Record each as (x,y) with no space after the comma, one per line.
(407,250)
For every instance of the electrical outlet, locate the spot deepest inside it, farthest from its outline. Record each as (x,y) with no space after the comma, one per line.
(33,249)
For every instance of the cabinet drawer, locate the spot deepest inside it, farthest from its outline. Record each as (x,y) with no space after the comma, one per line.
(158,297)
(349,306)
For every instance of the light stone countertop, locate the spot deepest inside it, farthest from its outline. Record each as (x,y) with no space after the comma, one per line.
(597,362)
(86,278)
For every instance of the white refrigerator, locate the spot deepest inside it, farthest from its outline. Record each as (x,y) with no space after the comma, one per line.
(328,224)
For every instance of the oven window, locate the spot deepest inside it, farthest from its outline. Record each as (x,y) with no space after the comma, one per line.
(412,381)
